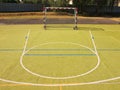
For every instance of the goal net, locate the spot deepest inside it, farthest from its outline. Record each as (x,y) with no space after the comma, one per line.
(60,8)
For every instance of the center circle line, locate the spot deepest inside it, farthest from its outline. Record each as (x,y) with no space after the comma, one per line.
(68,77)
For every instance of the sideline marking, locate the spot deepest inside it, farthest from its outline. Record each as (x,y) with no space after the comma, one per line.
(57,85)
(13,85)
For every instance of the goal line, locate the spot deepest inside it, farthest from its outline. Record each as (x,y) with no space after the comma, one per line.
(60,8)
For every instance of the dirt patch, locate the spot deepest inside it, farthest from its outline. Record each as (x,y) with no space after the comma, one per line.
(58,21)
(53,18)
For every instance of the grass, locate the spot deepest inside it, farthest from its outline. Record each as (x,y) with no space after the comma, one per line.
(59,52)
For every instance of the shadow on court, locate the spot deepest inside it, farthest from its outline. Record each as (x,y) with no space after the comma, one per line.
(63,27)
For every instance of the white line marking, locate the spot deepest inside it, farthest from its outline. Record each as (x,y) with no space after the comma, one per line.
(24,49)
(96,52)
(70,84)
(92,38)
(27,37)
(59,43)
(57,85)
(69,77)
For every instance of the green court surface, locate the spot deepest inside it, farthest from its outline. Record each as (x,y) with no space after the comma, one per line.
(60,58)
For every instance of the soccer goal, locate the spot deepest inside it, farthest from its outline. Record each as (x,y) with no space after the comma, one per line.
(60,8)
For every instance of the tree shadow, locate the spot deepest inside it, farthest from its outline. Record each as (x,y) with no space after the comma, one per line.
(71,27)
(90,28)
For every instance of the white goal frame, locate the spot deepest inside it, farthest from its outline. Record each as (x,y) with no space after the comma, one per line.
(60,8)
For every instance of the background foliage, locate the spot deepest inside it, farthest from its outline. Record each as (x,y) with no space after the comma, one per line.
(80,4)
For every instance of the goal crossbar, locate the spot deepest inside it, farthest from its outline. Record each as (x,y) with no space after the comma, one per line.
(60,8)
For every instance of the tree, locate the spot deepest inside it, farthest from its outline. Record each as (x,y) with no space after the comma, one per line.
(81,4)
(8,1)
(58,2)
(98,4)
(102,3)
(111,3)
(21,1)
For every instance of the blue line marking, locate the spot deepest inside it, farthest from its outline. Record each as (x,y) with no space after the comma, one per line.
(57,49)
(108,49)
(60,54)
(10,50)
(74,49)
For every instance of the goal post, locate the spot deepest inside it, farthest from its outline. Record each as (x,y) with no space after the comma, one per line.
(60,8)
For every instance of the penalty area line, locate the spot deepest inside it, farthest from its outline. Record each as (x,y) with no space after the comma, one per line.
(24,49)
(26,42)
(95,49)
(92,38)
(25,45)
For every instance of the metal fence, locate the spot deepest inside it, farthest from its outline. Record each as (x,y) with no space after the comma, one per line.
(103,10)
(14,7)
